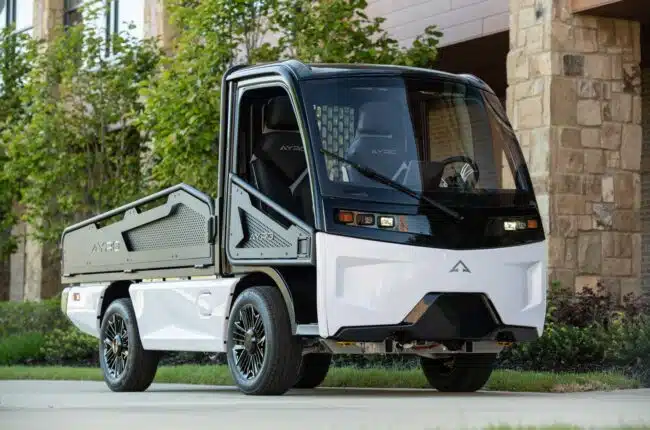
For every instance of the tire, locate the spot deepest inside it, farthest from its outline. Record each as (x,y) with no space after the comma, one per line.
(313,370)
(268,367)
(119,329)
(464,373)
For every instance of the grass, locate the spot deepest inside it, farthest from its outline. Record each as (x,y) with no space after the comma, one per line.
(502,380)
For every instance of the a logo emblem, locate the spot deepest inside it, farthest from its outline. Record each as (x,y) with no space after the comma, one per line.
(460,267)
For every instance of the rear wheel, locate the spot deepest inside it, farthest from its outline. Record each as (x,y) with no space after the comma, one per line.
(125,364)
(263,355)
(462,373)
(313,370)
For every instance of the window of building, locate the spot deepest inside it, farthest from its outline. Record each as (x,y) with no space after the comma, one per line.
(72,14)
(119,16)
(24,14)
(4,16)
(130,14)
(17,12)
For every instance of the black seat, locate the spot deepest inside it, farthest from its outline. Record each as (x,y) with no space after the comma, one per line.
(379,142)
(278,164)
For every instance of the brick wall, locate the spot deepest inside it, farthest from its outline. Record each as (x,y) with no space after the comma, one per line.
(645,179)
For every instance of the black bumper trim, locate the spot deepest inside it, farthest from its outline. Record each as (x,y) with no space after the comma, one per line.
(441,317)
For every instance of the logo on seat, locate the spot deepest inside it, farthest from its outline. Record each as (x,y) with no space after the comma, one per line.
(460,267)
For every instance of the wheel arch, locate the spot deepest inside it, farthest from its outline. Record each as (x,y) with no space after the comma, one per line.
(259,276)
(116,290)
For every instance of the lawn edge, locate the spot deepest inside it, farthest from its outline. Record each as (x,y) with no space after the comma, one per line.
(502,380)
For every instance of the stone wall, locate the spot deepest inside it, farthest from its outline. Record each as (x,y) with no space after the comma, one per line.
(645,180)
(574,97)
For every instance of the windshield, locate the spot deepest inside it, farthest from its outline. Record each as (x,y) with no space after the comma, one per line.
(442,139)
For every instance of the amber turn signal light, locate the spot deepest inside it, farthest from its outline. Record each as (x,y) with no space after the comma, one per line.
(532,223)
(345,217)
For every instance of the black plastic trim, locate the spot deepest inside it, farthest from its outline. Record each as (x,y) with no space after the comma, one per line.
(419,225)
(439,317)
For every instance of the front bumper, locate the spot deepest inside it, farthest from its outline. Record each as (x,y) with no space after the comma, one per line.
(367,285)
(440,317)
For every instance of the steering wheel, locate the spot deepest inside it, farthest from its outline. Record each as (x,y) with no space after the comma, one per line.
(470,167)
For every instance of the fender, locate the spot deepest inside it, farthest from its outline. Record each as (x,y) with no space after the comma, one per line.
(117,289)
(280,282)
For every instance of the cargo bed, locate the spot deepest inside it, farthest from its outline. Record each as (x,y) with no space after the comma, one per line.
(173,239)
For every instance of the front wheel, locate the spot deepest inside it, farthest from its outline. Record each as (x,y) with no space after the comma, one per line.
(263,355)
(463,373)
(126,365)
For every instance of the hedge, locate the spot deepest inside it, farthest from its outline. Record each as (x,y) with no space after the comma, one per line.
(587,331)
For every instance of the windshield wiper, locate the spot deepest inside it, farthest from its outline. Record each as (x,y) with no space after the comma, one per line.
(372,174)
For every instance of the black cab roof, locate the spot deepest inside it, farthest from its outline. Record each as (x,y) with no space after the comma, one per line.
(308,71)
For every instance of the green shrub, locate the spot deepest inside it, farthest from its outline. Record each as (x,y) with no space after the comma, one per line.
(589,331)
(600,306)
(71,345)
(31,317)
(21,349)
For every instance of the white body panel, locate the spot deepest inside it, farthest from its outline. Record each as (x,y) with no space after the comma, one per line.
(364,282)
(182,315)
(83,312)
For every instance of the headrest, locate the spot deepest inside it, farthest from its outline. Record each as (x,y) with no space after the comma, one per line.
(375,119)
(279,115)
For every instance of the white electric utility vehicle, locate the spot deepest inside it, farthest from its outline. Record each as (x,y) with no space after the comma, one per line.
(362,209)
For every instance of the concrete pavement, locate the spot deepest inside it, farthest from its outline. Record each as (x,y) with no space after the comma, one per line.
(53,405)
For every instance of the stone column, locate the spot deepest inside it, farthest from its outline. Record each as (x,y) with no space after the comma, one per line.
(645,178)
(574,100)
(17,265)
(157,23)
(48,15)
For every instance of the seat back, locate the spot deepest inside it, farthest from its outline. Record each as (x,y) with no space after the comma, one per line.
(278,164)
(379,143)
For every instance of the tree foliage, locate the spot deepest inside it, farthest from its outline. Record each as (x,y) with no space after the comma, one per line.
(182,108)
(75,152)
(16,56)
(78,125)
(182,102)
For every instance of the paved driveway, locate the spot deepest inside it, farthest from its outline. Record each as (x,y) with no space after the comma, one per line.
(53,405)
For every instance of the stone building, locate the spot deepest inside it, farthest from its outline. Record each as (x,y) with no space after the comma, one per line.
(575,78)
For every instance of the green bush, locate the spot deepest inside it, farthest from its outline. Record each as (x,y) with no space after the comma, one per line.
(68,346)
(589,331)
(26,317)
(21,349)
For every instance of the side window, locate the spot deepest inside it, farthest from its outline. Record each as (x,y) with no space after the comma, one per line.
(271,153)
